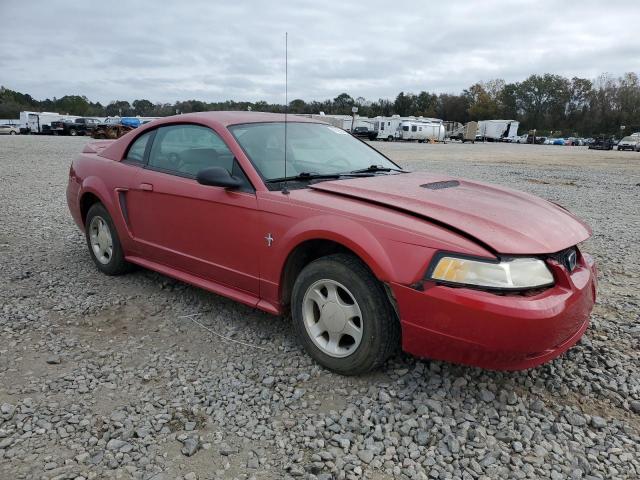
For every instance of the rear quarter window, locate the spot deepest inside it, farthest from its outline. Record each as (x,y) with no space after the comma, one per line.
(137,149)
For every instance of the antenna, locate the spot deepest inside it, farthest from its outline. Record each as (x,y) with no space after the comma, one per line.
(285,191)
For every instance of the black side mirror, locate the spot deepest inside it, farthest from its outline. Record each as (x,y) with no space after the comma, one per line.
(218,177)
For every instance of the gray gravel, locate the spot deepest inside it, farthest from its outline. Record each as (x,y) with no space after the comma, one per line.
(104,377)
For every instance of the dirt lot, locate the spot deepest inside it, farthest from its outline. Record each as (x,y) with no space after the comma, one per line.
(104,377)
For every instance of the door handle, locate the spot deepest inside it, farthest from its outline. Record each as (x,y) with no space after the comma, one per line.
(147,187)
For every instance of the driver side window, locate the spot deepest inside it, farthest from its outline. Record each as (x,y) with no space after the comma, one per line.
(186,149)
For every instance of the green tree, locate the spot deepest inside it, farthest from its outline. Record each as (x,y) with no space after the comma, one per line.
(543,100)
(72,105)
(508,101)
(481,105)
(405,104)
(426,104)
(297,106)
(144,108)
(118,108)
(453,107)
(342,104)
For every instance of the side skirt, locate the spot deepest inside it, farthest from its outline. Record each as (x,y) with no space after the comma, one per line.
(229,292)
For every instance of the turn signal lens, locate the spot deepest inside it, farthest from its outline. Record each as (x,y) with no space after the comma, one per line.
(517,273)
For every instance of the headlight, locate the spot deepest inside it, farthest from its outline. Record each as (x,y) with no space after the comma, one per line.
(514,274)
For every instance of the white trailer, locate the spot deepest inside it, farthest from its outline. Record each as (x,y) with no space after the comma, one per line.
(39,122)
(341,121)
(422,131)
(498,130)
(390,128)
(386,128)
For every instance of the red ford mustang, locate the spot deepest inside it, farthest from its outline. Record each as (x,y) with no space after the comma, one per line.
(364,255)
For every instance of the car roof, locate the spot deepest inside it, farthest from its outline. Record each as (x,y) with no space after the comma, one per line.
(116,150)
(227,118)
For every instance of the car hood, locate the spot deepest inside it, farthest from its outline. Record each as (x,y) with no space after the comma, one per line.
(505,220)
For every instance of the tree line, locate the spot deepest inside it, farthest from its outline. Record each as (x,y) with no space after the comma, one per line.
(548,103)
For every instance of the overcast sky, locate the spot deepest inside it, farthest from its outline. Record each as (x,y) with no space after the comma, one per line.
(213,50)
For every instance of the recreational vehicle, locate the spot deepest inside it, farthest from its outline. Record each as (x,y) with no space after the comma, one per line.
(391,128)
(341,121)
(421,131)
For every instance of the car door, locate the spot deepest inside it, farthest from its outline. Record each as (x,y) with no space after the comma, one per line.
(207,231)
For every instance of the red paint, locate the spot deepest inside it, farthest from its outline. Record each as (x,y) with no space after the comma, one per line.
(214,238)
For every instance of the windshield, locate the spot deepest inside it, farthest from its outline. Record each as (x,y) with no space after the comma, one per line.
(629,139)
(311,148)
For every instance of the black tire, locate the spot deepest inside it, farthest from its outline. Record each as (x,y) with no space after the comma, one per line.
(116,265)
(12,133)
(380,325)
(73,132)
(389,138)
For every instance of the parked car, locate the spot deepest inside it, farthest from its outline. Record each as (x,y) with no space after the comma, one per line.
(363,132)
(538,140)
(601,143)
(9,130)
(79,126)
(366,256)
(629,143)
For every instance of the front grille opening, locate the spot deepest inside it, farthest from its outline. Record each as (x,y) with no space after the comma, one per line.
(567,258)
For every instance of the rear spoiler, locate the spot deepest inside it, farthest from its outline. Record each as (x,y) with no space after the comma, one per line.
(96,147)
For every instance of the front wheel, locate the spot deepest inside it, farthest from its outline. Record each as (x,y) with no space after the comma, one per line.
(12,133)
(342,315)
(103,242)
(73,133)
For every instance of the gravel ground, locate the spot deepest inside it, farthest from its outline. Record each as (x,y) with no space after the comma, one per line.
(105,377)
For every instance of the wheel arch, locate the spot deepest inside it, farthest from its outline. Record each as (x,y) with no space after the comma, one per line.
(87,200)
(94,190)
(319,244)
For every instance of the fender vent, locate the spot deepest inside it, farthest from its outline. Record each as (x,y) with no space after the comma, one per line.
(441,185)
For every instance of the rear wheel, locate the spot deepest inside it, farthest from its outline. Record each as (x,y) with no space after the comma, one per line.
(73,132)
(342,315)
(103,242)
(12,132)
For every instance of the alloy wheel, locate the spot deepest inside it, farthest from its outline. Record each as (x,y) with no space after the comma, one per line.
(101,240)
(332,318)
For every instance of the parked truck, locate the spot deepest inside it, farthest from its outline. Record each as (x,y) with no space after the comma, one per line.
(79,126)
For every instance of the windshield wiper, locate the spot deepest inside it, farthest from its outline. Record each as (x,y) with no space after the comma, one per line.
(378,168)
(306,176)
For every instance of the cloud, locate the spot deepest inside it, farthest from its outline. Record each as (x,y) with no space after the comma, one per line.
(167,51)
